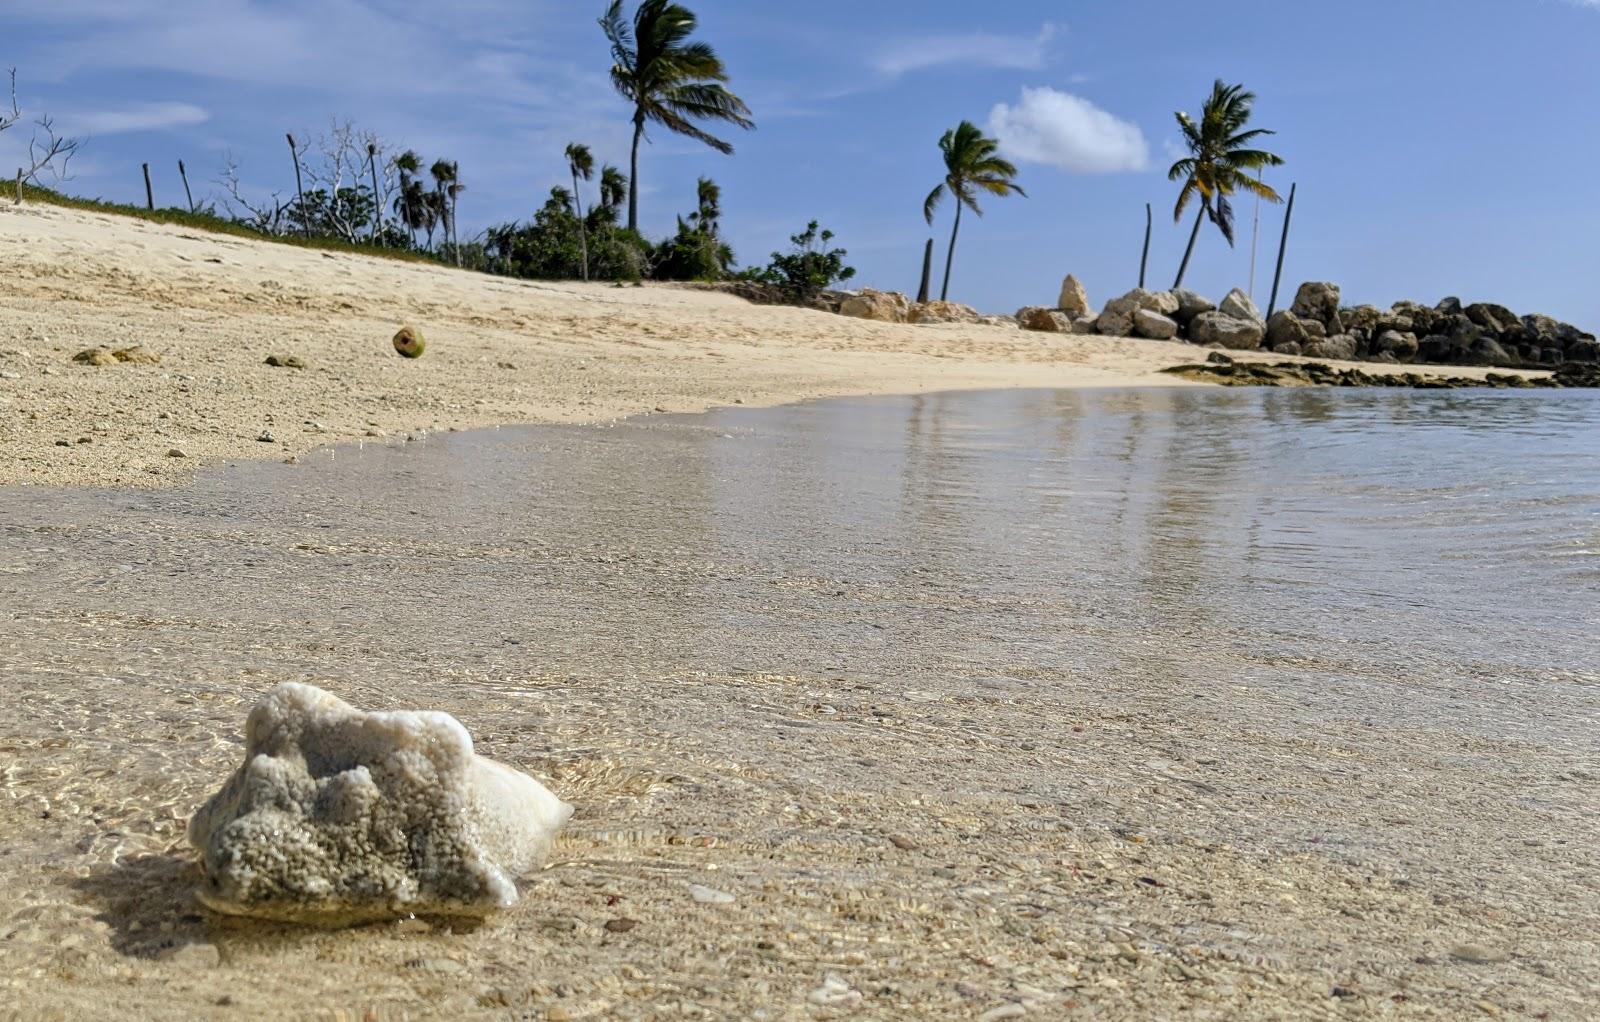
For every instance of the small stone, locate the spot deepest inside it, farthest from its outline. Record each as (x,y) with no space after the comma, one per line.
(286,361)
(620,925)
(95,357)
(557,1014)
(710,895)
(137,355)
(905,844)
(834,990)
(85,440)
(10,376)
(63,443)
(266,437)
(1012,1010)
(1343,993)
(1477,954)
(176,453)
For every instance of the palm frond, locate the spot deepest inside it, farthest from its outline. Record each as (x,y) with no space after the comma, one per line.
(932,204)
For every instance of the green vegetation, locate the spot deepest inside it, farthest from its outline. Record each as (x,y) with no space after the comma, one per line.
(1218,163)
(971,165)
(804,273)
(669,80)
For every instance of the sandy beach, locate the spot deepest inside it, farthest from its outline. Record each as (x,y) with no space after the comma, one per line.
(213,308)
(1156,830)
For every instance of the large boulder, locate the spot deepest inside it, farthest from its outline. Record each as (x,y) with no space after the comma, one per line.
(1086,325)
(1361,317)
(1286,328)
(1043,320)
(1318,301)
(1497,319)
(1403,346)
(882,306)
(1448,307)
(1488,351)
(942,312)
(1339,346)
(1585,349)
(1116,320)
(1226,331)
(1238,305)
(1191,305)
(1165,303)
(339,816)
(1154,326)
(1074,299)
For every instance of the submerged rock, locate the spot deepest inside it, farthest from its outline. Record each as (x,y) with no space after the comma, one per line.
(339,816)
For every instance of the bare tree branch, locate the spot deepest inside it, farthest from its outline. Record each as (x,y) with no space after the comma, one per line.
(265,217)
(51,152)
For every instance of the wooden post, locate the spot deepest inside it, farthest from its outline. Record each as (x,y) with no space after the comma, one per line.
(377,205)
(299,187)
(1144,260)
(149,194)
(183,173)
(17,199)
(927,273)
(1277,278)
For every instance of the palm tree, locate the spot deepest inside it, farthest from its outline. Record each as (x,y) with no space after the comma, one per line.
(668,79)
(453,191)
(613,191)
(444,175)
(708,212)
(406,205)
(971,165)
(1218,162)
(581,162)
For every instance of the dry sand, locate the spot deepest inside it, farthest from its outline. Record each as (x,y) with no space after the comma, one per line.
(869,879)
(499,351)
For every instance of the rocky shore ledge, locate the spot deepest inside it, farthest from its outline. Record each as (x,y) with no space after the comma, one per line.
(1226,371)
(1316,325)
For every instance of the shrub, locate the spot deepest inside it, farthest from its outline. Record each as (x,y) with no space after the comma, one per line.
(810,268)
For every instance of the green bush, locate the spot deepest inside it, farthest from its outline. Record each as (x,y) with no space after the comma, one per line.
(811,268)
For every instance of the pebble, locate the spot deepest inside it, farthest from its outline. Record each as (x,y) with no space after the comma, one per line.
(176,453)
(834,991)
(266,437)
(1477,954)
(1003,1011)
(620,925)
(710,895)
(905,844)
(286,361)
(10,376)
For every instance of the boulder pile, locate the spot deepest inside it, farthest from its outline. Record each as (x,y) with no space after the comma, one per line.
(1318,326)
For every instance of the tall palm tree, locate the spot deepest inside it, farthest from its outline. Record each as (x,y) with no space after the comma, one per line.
(581,162)
(1219,162)
(971,166)
(668,79)
(708,206)
(613,190)
(445,177)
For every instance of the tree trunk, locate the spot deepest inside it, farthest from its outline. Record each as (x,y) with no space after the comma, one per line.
(583,228)
(1283,246)
(455,208)
(377,204)
(299,188)
(1149,226)
(633,182)
(950,257)
(927,273)
(1194,236)
(149,195)
(183,173)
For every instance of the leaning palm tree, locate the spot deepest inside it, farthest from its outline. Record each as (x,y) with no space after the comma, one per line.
(453,191)
(443,173)
(708,206)
(581,162)
(1218,163)
(668,79)
(407,206)
(971,165)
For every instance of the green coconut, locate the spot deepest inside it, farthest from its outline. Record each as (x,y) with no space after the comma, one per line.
(409,343)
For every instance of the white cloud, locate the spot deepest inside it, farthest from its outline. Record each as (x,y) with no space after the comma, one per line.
(1068,132)
(144,117)
(972,50)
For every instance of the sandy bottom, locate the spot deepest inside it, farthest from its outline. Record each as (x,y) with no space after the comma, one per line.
(945,735)
(499,351)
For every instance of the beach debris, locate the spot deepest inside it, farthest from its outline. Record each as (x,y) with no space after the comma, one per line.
(1074,300)
(409,342)
(104,356)
(286,361)
(710,895)
(338,816)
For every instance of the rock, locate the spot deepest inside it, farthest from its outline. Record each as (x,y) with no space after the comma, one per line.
(95,357)
(1116,320)
(1396,321)
(409,343)
(1154,325)
(834,990)
(1542,326)
(1435,348)
(176,452)
(710,895)
(1074,300)
(137,355)
(1489,351)
(620,925)
(1584,350)
(1477,954)
(1339,346)
(1003,1011)
(1362,317)
(339,816)
(1403,346)
(941,312)
(1043,320)
(1086,325)
(1449,307)
(266,437)
(1216,328)
(1497,319)
(1318,301)
(1165,303)
(1287,348)
(1238,305)
(1191,305)
(881,306)
(286,361)
(905,844)
(1286,328)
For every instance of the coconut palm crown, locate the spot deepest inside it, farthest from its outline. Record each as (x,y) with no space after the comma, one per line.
(972,165)
(669,80)
(1219,161)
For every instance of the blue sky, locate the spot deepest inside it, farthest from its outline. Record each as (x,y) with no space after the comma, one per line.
(1440,146)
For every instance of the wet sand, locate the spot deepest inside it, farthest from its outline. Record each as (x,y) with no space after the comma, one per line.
(1120,705)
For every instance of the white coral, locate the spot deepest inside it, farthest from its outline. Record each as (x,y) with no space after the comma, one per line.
(341,816)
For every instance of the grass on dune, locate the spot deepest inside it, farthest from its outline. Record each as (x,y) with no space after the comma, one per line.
(208,222)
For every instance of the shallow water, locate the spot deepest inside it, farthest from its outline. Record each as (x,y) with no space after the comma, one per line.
(1359,623)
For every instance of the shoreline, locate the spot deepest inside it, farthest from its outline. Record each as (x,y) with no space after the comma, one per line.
(501,352)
